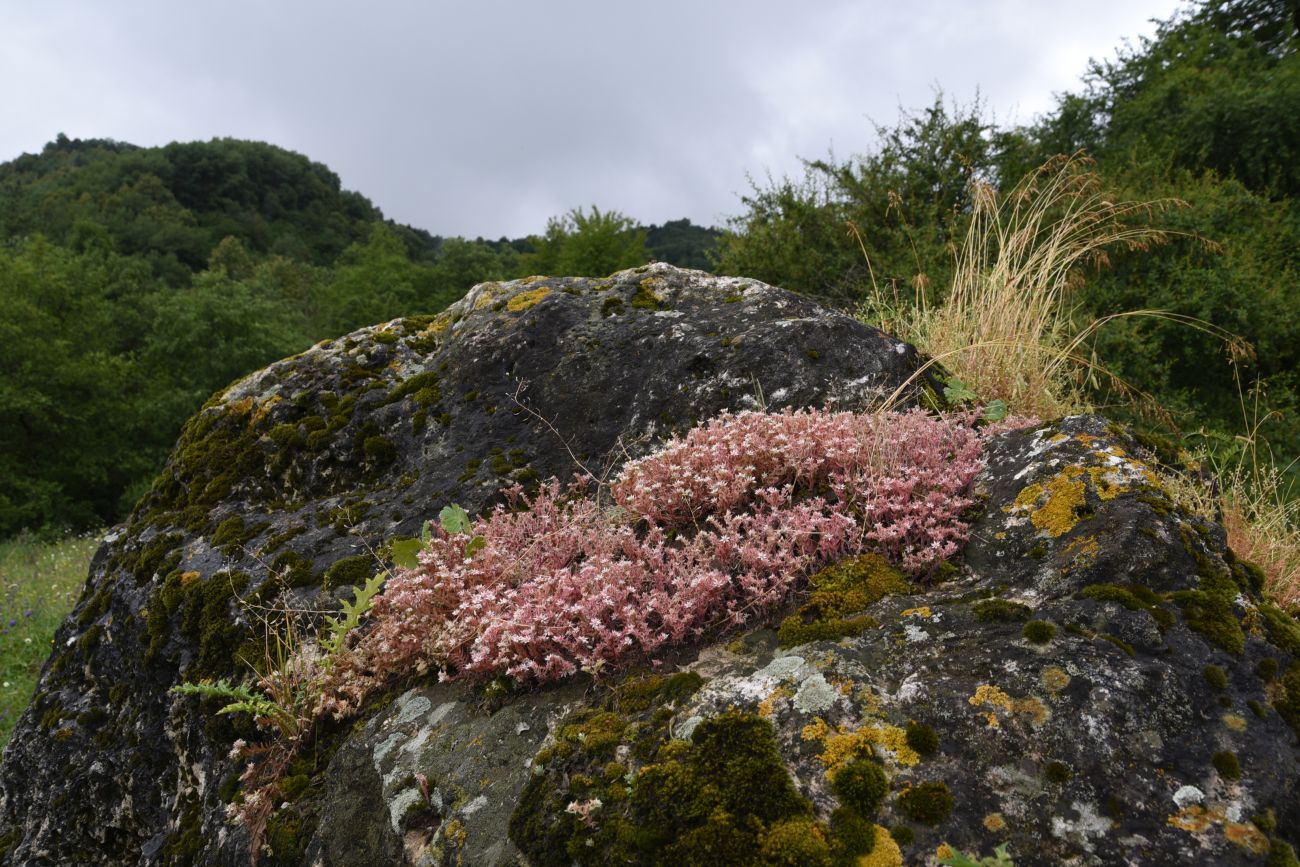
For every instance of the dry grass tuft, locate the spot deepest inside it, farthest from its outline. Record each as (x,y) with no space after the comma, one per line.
(1006,328)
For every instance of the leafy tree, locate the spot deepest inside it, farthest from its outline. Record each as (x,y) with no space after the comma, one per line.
(461,264)
(681,243)
(372,282)
(881,220)
(66,439)
(582,244)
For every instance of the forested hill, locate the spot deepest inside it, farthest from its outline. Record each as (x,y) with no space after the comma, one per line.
(172,205)
(135,282)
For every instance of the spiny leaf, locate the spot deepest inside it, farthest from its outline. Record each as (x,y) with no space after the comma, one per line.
(337,628)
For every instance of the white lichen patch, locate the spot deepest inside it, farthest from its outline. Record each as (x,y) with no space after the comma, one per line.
(384,747)
(1187,796)
(1088,823)
(815,695)
(399,804)
(410,707)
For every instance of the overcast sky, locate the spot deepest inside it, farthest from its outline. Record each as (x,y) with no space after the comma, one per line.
(484,118)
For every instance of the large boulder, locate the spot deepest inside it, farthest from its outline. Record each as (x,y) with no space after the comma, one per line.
(1095,680)
(1100,684)
(292,480)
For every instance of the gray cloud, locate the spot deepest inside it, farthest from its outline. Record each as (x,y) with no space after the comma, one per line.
(484,118)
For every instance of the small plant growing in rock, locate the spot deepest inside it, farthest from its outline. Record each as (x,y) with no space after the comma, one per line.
(716,529)
(1038,631)
(928,803)
(956,858)
(861,785)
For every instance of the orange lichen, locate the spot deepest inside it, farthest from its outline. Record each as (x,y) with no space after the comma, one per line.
(995,822)
(1197,820)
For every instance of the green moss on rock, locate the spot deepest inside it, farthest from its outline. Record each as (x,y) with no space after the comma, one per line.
(1038,631)
(1134,598)
(1227,765)
(839,593)
(1216,677)
(1058,773)
(922,738)
(722,797)
(860,785)
(928,803)
(351,570)
(1001,611)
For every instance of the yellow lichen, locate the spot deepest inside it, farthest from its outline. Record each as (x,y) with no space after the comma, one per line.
(817,730)
(1063,494)
(439,323)
(1083,551)
(264,409)
(524,300)
(943,850)
(885,853)
(1236,722)
(1054,679)
(767,706)
(1054,505)
(923,612)
(995,822)
(992,696)
(455,832)
(842,747)
(986,693)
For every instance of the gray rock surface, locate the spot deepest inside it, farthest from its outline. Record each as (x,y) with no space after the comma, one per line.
(1099,681)
(286,481)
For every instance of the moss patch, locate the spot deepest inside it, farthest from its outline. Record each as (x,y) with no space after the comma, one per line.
(928,803)
(722,797)
(199,610)
(839,594)
(1038,631)
(525,300)
(1134,598)
(1001,611)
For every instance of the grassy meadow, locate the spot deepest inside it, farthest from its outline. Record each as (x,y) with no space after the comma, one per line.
(40,580)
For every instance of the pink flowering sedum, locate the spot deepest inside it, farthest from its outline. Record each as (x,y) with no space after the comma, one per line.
(713,530)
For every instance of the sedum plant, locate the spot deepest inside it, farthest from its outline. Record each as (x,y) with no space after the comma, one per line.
(716,529)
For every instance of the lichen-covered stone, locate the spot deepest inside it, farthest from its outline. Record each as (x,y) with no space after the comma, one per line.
(282,485)
(1097,680)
